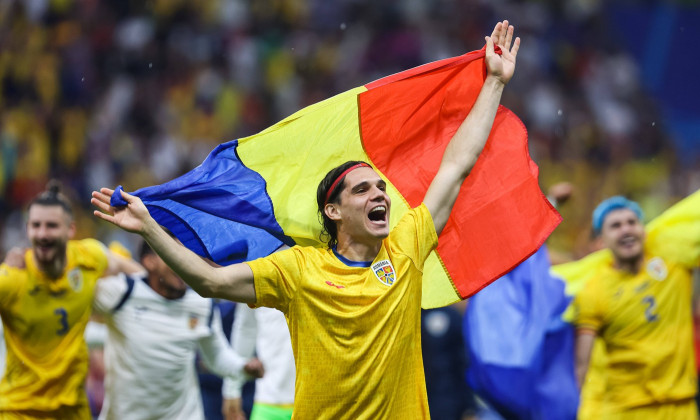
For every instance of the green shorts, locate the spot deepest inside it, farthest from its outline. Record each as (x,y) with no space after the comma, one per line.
(263,411)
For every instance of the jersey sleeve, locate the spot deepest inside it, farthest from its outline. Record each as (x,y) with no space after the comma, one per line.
(92,253)
(415,235)
(110,292)
(243,337)
(275,278)
(217,354)
(8,285)
(588,311)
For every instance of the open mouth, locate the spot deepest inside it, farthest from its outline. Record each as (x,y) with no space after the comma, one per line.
(45,247)
(628,240)
(377,214)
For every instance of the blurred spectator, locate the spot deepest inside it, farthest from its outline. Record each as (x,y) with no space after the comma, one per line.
(135,93)
(444,359)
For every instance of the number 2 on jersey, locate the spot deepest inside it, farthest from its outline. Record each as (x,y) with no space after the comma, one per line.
(650,311)
(62,320)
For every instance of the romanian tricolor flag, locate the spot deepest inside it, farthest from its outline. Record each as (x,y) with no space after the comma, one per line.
(253,194)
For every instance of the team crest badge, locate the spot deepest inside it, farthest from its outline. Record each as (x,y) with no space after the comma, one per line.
(194,320)
(75,280)
(657,269)
(385,272)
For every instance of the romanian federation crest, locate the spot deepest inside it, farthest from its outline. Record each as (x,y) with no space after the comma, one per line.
(75,279)
(384,271)
(657,269)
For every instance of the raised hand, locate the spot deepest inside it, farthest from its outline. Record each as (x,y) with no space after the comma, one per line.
(133,218)
(502,66)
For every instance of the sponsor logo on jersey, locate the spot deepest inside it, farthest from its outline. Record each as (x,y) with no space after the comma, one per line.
(656,267)
(75,279)
(337,286)
(384,271)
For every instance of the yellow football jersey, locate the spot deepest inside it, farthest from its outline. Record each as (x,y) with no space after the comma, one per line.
(44,323)
(645,321)
(355,326)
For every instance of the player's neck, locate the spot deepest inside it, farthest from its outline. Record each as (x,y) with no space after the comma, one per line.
(358,251)
(632,266)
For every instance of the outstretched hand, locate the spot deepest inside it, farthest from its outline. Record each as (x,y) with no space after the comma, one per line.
(502,66)
(132,217)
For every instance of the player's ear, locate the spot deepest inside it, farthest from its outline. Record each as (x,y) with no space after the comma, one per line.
(332,211)
(71,229)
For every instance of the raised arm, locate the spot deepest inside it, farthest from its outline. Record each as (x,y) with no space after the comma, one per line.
(583,347)
(234,282)
(118,264)
(465,146)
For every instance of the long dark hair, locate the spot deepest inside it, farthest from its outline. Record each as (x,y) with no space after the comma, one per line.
(329,230)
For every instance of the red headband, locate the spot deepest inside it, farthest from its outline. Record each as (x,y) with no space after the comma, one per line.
(340,177)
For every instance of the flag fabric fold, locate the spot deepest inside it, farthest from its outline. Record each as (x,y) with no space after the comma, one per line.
(254,194)
(520,350)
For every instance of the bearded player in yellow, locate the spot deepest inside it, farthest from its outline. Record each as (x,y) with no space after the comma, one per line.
(639,303)
(45,308)
(355,333)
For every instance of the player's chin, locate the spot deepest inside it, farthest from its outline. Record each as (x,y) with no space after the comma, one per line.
(629,254)
(381,233)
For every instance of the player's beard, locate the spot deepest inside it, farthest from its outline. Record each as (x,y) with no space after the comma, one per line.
(50,256)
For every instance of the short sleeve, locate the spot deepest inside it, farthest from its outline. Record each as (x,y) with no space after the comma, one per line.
(588,311)
(110,292)
(276,278)
(8,285)
(92,253)
(414,235)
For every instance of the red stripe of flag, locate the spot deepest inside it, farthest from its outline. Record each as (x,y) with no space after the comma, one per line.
(501,216)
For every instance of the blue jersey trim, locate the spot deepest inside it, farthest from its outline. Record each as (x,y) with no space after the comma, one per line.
(350,263)
(129,289)
(211,312)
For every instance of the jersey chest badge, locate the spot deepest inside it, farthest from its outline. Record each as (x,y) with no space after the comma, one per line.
(656,267)
(384,271)
(194,321)
(75,279)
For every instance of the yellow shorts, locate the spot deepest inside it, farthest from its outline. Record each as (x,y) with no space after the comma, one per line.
(678,410)
(78,412)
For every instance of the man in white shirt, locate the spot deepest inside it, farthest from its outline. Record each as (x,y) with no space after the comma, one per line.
(263,331)
(155,325)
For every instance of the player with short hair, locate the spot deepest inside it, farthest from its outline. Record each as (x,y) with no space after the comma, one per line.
(155,326)
(640,305)
(45,307)
(353,310)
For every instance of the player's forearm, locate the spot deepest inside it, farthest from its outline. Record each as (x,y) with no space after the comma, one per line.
(582,357)
(462,153)
(189,266)
(465,147)
(118,264)
(219,358)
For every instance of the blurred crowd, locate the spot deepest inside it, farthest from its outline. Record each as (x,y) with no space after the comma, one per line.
(108,92)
